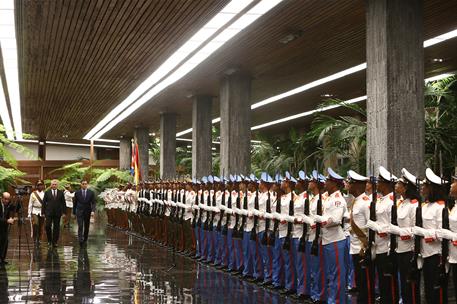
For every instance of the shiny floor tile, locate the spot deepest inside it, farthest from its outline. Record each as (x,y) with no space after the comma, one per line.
(115,268)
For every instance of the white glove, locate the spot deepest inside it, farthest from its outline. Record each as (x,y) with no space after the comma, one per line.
(320,218)
(394,229)
(374,226)
(290,218)
(446,234)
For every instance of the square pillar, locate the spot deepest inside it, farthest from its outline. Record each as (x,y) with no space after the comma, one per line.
(235,93)
(395,84)
(141,136)
(167,145)
(201,136)
(125,153)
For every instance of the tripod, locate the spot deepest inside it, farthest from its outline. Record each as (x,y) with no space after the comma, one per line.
(20,223)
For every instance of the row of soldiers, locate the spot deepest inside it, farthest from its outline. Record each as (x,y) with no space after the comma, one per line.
(302,235)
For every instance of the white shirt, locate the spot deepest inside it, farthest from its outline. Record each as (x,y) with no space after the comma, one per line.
(263,197)
(311,233)
(216,209)
(360,215)
(285,201)
(34,203)
(190,200)
(406,218)
(432,219)
(249,217)
(299,211)
(383,219)
(334,207)
(69,198)
(453,240)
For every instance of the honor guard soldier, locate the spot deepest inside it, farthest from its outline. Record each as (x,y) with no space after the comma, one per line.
(407,203)
(264,228)
(333,238)
(302,223)
(434,191)
(314,244)
(385,266)
(359,216)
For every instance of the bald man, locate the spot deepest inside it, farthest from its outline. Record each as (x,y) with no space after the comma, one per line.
(6,219)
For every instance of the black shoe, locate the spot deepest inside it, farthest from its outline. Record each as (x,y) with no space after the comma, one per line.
(81,244)
(353,290)
(54,245)
(287,292)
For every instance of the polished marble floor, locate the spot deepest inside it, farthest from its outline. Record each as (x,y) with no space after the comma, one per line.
(116,268)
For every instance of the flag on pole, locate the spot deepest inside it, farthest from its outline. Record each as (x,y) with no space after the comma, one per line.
(135,164)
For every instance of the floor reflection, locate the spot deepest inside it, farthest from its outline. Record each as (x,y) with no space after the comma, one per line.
(116,268)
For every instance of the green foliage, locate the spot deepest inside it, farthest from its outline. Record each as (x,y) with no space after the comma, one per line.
(341,140)
(99,179)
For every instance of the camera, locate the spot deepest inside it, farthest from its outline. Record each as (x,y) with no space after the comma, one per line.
(22,190)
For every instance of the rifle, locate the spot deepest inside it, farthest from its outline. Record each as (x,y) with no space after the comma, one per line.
(213,213)
(442,279)
(302,243)
(244,216)
(256,218)
(315,245)
(278,211)
(200,214)
(393,238)
(414,274)
(368,256)
(228,216)
(208,213)
(290,226)
(237,217)
(195,212)
(183,196)
(219,223)
(266,240)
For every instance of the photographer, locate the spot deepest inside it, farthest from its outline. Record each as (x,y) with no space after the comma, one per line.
(34,210)
(7,211)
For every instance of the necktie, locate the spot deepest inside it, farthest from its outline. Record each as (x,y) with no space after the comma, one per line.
(54,193)
(84,194)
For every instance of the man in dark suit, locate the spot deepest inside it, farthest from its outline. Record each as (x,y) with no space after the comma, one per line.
(6,219)
(83,208)
(53,208)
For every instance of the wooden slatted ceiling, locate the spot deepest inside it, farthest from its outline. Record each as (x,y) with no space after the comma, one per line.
(98,52)
(333,39)
(81,58)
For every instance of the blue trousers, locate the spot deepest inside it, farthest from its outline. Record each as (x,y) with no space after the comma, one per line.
(303,269)
(256,256)
(197,241)
(248,262)
(210,245)
(349,265)
(204,243)
(316,267)
(230,250)
(238,253)
(267,258)
(278,264)
(217,246)
(335,271)
(290,256)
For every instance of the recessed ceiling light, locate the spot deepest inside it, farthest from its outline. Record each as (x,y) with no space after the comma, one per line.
(327,95)
(290,37)
(436,60)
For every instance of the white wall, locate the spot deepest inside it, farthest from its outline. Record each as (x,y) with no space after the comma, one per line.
(23,156)
(59,152)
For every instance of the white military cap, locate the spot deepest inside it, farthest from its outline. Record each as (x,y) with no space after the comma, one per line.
(356,177)
(386,175)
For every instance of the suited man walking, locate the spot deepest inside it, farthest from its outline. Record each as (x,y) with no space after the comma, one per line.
(53,208)
(83,208)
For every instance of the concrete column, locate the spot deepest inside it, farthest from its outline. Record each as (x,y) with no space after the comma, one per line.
(235,124)
(201,136)
(141,136)
(167,145)
(125,153)
(395,82)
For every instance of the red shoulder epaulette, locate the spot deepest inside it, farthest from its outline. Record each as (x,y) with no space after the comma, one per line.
(440,202)
(414,201)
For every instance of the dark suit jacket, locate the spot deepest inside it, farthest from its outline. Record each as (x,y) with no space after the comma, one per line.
(81,205)
(53,206)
